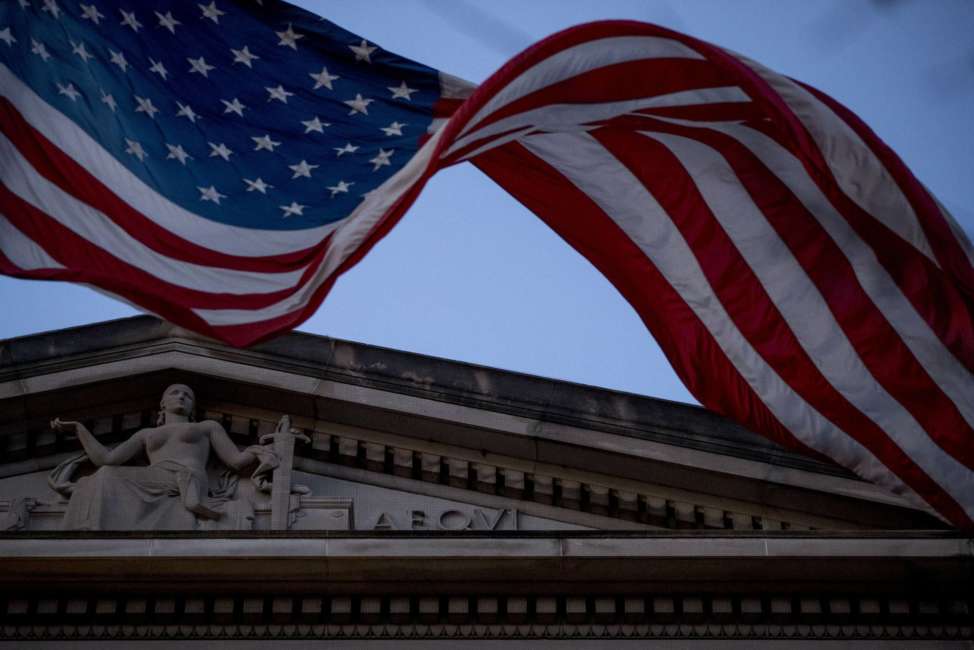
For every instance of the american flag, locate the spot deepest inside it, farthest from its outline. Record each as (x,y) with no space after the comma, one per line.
(797,275)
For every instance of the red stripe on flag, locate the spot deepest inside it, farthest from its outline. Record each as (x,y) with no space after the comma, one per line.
(445,107)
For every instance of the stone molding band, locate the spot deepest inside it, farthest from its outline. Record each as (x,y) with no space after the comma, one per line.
(679,616)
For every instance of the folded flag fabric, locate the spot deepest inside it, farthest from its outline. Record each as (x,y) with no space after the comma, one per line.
(221,164)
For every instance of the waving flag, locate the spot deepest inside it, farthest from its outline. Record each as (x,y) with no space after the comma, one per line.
(222,164)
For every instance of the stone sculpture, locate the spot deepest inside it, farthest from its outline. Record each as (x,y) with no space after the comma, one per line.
(173,491)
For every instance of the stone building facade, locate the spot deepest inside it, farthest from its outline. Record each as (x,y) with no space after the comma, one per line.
(402,500)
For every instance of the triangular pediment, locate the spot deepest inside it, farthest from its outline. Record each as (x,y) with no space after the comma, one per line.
(418,443)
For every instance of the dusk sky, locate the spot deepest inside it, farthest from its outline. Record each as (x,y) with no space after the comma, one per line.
(470,275)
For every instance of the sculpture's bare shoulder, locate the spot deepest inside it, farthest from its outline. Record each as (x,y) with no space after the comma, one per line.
(211,427)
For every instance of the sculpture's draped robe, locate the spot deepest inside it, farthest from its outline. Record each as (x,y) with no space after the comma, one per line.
(154,498)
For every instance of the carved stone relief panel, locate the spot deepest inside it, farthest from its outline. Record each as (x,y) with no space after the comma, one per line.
(177,475)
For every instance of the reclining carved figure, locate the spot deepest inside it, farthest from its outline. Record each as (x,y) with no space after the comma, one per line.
(172,492)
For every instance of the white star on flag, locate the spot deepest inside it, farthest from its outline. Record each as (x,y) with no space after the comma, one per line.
(393,129)
(119,59)
(339,188)
(200,66)
(158,68)
(381,159)
(39,49)
(348,148)
(90,12)
(76,48)
(129,19)
(167,21)
(265,142)
(210,194)
(68,90)
(233,106)
(177,152)
(289,38)
(302,169)
(314,125)
(108,100)
(323,78)
(146,106)
(135,148)
(220,150)
(185,110)
(8,38)
(358,105)
(50,6)
(244,56)
(402,91)
(278,93)
(258,185)
(210,11)
(363,51)
(294,208)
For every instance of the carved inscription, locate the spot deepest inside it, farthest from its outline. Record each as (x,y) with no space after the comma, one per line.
(452,519)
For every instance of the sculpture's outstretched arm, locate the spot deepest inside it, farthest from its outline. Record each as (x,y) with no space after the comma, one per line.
(97,452)
(225,450)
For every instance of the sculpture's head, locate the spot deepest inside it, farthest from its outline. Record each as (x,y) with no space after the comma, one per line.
(177,399)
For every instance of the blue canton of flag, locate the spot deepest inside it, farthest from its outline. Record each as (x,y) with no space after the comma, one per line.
(263,117)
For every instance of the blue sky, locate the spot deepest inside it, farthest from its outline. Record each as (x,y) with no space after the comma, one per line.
(468,274)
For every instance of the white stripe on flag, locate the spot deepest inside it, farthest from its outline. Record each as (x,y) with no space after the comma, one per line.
(597,173)
(21,249)
(24,181)
(453,87)
(956,229)
(499,142)
(88,153)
